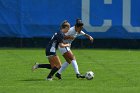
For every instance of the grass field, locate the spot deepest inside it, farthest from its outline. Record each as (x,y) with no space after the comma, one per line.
(116,71)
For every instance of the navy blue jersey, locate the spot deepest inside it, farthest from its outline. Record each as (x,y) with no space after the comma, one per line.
(53,44)
(56,39)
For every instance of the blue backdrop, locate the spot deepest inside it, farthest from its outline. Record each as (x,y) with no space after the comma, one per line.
(41,18)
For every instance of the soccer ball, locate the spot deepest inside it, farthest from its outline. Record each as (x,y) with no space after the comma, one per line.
(89,75)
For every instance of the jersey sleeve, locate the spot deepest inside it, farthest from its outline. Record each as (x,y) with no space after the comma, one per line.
(81,33)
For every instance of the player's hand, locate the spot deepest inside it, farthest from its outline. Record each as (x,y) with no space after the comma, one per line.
(62,45)
(91,39)
(69,45)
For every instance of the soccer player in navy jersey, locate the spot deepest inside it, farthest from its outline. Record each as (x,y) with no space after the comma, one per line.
(56,40)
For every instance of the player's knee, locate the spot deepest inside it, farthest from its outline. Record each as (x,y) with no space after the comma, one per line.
(58,66)
(52,66)
(72,58)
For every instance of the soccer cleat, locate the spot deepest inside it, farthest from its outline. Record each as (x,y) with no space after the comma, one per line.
(58,75)
(35,66)
(49,79)
(80,76)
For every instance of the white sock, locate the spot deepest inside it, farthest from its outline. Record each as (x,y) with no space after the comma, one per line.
(63,67)
(75,66)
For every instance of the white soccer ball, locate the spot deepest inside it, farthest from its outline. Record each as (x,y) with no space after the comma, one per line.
(89,75)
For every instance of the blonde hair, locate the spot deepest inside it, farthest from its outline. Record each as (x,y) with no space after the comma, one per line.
(65,24)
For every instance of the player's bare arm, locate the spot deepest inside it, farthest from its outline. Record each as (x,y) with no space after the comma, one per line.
(69,37)
(89,37)
(62,45)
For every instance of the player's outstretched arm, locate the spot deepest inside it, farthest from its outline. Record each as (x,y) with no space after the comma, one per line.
(89,37)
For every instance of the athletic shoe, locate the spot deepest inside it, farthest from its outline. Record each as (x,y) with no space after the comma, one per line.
(80,76)
(49,79)
(35,66)
(58,75)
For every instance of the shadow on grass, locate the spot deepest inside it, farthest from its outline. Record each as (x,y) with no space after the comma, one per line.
(32,80)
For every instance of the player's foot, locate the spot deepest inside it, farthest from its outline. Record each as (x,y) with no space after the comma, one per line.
(49,79)
(35,66)
(80,76)
(58,75)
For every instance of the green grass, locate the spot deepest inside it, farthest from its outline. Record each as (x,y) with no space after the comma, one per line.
(116,71)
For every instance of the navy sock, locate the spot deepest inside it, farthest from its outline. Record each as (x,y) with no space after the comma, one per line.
(53,71)
(48,66)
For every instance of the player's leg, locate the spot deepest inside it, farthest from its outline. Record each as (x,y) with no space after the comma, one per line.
(48,66)
(63,67)
(70,56)
(55,64)
(65,64)
(73,62)
(37,65)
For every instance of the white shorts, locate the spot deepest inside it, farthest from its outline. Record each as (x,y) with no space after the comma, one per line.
(64,50)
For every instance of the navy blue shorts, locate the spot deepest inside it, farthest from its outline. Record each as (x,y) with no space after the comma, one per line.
(48,53)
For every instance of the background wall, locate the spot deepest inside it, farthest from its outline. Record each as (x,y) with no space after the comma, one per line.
(103,19)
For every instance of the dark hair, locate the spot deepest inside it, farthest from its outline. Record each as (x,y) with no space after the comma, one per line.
(64,25)
(79,22)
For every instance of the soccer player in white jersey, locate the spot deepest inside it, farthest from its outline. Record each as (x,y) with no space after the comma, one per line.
(73,32)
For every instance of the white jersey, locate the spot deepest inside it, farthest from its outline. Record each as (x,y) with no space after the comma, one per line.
(73,33)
